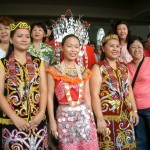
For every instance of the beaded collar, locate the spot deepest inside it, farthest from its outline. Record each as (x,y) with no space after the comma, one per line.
(67,87)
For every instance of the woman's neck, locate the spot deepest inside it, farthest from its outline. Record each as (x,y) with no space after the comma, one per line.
(20,56)
(37,41)
(123,42)
(69,64)
(37,44)
(112,63)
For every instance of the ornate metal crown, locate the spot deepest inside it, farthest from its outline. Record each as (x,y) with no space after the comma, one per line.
(67,24)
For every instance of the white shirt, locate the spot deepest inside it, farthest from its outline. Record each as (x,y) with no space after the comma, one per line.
(2,53)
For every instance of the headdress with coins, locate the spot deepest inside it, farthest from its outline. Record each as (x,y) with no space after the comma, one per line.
(68,24)
(19,25)
(108,37)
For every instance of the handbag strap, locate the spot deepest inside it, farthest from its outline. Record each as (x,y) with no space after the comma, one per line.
(136,73)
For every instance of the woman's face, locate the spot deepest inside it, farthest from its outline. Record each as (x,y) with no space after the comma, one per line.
(112,49)
(21,39)
(37,33)
(4,33)
(71,48)
(136,50)
(122,31)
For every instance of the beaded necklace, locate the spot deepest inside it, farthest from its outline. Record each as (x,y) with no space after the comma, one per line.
(67,89)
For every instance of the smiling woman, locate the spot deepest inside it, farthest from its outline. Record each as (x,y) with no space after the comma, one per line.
(23,87)
(74,125)
(112,99)
(139,69)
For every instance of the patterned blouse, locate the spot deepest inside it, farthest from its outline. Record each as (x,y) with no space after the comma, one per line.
(45,53)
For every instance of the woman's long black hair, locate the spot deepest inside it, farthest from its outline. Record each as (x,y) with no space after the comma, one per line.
(11,46)
(49,26)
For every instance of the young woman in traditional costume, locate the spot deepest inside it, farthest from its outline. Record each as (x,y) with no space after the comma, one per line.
(112,99)
(74,125)
(23,94)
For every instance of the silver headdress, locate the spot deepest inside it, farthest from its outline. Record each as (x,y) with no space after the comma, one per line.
(67,24)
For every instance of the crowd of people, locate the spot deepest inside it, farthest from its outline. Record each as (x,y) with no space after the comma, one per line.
(101,90)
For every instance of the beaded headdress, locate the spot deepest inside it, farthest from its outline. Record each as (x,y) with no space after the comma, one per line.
(19,25)
(108,37)
(68,24)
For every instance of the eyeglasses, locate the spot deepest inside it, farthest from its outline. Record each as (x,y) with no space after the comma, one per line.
(136,47)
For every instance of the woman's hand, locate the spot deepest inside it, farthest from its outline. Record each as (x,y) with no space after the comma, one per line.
(36,120)
(53,129)
(135,118)
(102,127)
(20,123)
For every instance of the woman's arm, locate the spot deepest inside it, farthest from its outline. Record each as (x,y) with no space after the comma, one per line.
(5,107)
(133,104)
(50,106)
(43,89)
(3,102)
(87,95)
(95,84)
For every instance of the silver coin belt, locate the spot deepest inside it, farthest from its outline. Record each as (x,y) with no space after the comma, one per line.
(74,123)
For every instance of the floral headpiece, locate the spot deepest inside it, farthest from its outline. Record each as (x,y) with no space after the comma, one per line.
(19,25)
(108,37)
(67,24)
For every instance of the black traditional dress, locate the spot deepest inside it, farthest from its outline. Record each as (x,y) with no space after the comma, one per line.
(23,95)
